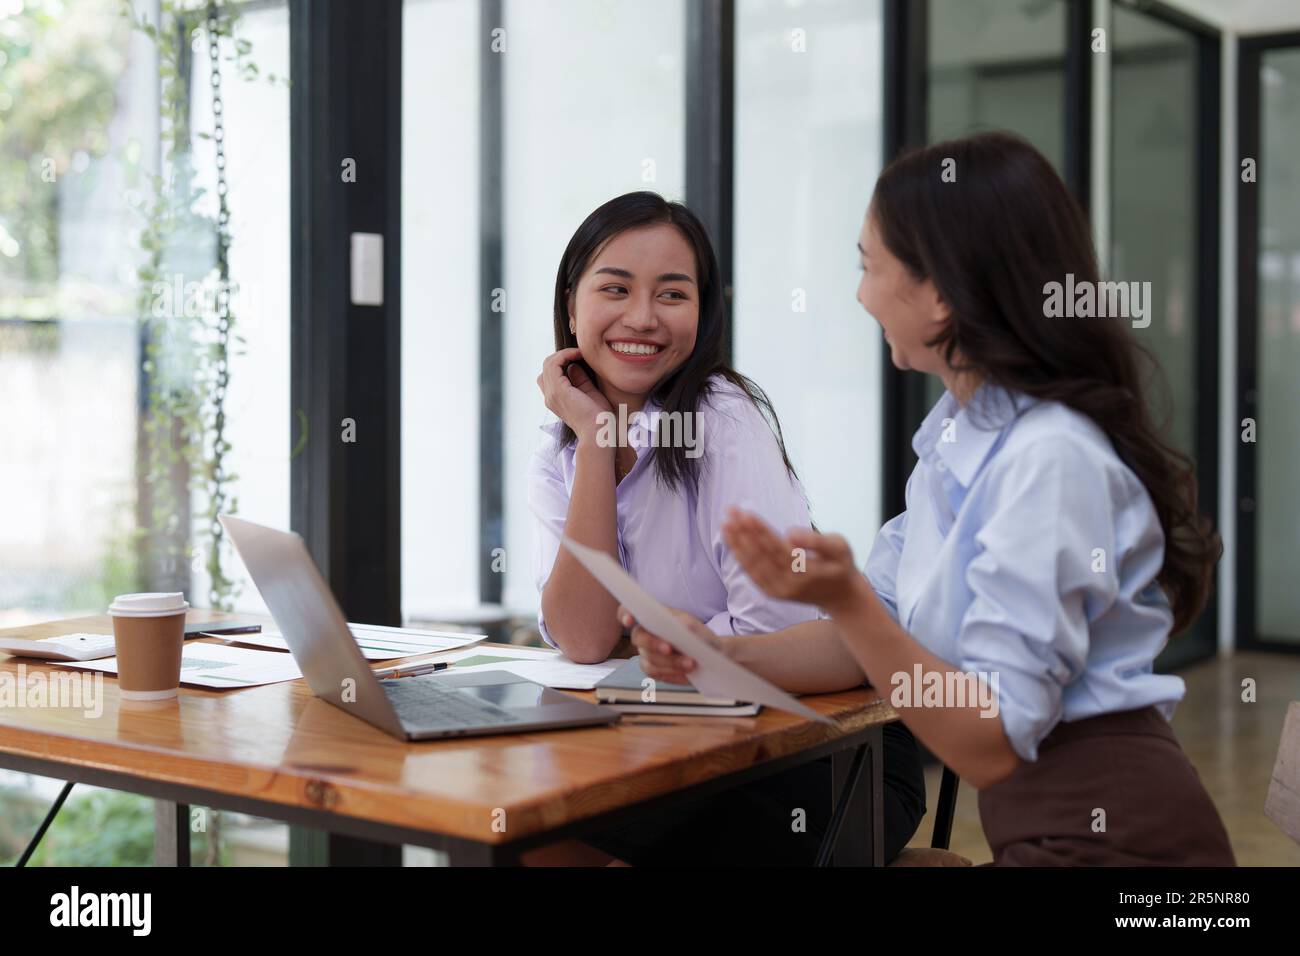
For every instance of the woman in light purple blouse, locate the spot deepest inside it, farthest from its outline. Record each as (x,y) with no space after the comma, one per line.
(657,437)
(639,334)
(670,539)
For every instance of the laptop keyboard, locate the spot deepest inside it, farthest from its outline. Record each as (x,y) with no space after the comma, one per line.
(427,704)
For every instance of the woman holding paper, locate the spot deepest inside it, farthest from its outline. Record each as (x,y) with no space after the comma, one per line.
(656,436)
(1051,541)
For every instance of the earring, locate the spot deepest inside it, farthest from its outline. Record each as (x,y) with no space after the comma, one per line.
(573,329)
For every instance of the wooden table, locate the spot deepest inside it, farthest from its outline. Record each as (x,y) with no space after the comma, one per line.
(277,751)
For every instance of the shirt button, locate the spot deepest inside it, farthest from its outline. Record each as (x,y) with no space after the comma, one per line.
(940,466)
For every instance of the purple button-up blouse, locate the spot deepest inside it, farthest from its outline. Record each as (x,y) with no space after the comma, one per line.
(670,541)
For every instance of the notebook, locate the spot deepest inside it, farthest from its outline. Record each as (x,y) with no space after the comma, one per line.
(629,685)
(686,710)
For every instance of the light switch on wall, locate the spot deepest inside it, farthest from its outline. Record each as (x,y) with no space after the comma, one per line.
(367,268)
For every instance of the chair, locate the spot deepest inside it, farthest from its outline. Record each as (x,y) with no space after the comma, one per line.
(940,836)
(1282,805)
(943,813)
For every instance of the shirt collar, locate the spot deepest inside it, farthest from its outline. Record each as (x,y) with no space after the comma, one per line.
(959,438)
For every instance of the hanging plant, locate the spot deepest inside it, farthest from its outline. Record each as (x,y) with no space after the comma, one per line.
(188,327)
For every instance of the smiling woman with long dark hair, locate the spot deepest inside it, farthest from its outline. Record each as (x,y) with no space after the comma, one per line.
(640,324)
(1051,542)
(639,331)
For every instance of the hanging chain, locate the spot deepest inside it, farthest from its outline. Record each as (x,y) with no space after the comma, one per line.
(218,474)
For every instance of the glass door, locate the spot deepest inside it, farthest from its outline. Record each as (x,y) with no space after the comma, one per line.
(1268,522)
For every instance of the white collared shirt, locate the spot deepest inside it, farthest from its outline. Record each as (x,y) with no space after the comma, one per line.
(1030,550)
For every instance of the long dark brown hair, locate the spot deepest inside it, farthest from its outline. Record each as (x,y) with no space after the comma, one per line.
(991,241)
(689,384)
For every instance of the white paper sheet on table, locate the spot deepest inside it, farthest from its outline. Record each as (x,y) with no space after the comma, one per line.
(376,643)
(217,666)
(547,667)
(715,674)
(506,653)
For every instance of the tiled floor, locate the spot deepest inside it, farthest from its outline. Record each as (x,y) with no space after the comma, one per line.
(1233,745)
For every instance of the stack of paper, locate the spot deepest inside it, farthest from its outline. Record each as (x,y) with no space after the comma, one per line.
(218,666)
(376,643)
(537,664)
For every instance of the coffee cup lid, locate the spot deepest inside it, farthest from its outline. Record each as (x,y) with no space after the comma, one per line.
(153,604)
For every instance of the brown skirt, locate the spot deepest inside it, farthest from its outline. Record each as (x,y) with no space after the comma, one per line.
(1127,764)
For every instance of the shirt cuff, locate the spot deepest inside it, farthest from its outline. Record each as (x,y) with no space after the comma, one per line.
(721,624)
(546,635)
(1022,702)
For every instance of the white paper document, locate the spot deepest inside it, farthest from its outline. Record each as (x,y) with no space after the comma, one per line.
(715,674)
(547,667)
(376,643)
(511,652)
(218,666)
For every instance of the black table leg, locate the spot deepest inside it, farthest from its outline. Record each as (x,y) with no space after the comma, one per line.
(876,810)
(858,789)
(467,853)
(45,825)
(311,847)
(351,851)
(171,833)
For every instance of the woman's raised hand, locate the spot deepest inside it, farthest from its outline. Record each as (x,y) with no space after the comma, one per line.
(803,566)
(571,394)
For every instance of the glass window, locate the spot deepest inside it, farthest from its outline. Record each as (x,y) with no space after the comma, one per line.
(808,133)
(1153,197)
(995,65)
(258,418)
(1277,474)
(78,111)
(440,307)
(594,107)
(83,133)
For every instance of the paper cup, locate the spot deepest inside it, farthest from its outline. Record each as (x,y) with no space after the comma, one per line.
(149,632)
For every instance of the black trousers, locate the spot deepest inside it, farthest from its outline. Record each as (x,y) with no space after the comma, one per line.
(761,823)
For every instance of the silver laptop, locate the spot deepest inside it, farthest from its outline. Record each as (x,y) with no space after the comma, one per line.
(413,708)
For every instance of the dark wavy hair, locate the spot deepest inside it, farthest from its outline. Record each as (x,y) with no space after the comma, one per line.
(990,242)
(689,384)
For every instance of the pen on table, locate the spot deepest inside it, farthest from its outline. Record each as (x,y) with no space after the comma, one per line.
(413,670)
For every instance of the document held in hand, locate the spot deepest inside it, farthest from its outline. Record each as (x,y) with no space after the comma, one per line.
(715,674)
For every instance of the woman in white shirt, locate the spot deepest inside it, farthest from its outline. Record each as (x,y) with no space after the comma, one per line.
(1051,542)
